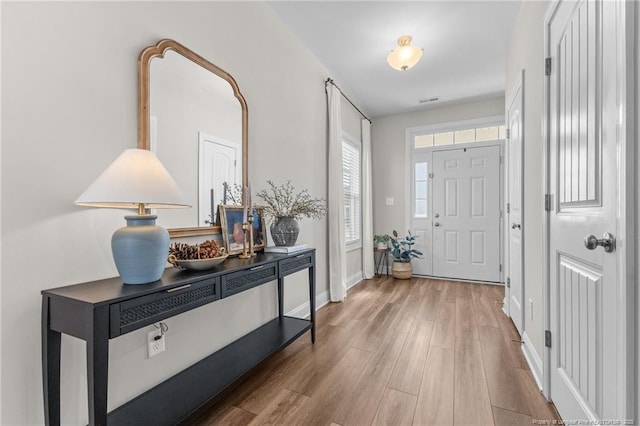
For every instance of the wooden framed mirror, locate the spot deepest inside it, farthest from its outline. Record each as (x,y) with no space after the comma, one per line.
(192,115)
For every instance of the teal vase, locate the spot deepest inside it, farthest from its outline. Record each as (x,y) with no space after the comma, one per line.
(140,250)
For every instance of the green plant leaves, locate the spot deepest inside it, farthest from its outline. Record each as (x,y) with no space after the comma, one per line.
(402,250)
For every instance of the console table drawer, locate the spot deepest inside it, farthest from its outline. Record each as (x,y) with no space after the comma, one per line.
(296,263)
(142,311)
(243,280)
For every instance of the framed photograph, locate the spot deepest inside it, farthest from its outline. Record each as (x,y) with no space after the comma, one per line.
(231,224)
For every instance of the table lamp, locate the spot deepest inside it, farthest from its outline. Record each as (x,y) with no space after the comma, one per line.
(136,179)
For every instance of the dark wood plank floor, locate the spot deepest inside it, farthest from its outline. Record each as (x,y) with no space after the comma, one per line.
(396,352)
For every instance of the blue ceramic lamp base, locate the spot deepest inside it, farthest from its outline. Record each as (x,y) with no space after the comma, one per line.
(140,249)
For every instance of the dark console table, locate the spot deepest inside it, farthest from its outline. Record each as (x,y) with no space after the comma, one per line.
(101,310)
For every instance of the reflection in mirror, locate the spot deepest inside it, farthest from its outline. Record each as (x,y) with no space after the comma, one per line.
(197,134)
(195,119)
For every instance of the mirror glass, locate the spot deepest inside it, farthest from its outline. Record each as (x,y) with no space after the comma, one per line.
(196,124)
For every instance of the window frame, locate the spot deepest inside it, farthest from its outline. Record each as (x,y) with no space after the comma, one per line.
(357,145)
(410,150)
(413,132)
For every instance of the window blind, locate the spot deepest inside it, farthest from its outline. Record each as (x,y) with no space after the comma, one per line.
(351,186)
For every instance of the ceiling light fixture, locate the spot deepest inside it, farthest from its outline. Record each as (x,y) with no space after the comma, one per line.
(404,56)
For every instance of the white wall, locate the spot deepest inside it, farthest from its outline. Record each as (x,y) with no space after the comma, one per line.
(526,51)
(388,149)
(68,109)
(1,339)
(637,223)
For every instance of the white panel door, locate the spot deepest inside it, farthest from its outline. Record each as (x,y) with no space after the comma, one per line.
(466,213)
(219,163)
(421,212)
(515,232)
(582,147)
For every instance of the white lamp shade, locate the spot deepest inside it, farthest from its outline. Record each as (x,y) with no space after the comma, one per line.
(404,56)
(135,177)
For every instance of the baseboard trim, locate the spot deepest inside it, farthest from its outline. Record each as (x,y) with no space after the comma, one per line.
(354,279)
(303,310)
(533,359)
(462,280)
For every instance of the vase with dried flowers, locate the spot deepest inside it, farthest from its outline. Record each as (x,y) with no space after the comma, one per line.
(285,207)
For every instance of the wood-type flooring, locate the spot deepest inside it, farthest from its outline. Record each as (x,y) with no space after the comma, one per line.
(396,352)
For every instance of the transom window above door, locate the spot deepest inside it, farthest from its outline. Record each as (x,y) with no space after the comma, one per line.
(477,134)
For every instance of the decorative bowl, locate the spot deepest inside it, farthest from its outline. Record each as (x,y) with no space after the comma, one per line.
(197,264)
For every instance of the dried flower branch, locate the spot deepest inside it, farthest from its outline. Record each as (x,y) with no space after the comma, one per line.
(232,195)
(281,201)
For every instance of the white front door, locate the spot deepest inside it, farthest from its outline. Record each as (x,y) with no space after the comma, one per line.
(219,162)
(466,213)
(586,310)
(515,232)
(421,212)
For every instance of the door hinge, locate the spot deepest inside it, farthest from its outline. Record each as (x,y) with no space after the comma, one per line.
(508,133)
(547,338)
(431,175)
(501,267)
(501,214)
(508,282)
(547,202)
(547,66)
(508,207)
(501,159)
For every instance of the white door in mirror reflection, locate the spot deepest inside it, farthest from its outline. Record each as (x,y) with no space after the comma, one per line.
(220,161)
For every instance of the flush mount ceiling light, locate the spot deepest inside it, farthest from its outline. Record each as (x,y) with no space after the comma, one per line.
(404,56)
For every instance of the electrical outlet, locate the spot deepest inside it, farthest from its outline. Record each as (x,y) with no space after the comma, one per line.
(155,346)
(530,309)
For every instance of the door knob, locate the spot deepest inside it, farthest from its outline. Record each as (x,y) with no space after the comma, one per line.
(437,215)
(436,223)
(607,241)
(515,225)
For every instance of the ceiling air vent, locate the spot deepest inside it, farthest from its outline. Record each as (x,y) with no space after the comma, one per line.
(428,100)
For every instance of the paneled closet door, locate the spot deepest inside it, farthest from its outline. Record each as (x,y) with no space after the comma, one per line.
(586,369)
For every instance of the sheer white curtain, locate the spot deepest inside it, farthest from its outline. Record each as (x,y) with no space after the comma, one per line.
(335,200)
(368,268)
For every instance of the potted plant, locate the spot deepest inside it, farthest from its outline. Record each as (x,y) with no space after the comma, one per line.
(402,254)
(285,207)
(381,241)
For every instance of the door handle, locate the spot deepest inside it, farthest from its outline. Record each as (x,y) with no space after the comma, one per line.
(436,223)
(515,225)
(607,241)
(437,215)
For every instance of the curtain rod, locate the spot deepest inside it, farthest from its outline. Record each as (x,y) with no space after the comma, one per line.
(330,81)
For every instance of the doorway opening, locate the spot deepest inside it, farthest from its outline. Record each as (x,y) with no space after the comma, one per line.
(455,199)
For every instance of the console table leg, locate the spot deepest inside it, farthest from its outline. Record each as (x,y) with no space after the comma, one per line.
(312,301)
(51,341)
(98,367)
(280,297)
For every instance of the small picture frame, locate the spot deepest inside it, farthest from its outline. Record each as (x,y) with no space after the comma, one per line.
(231,224)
